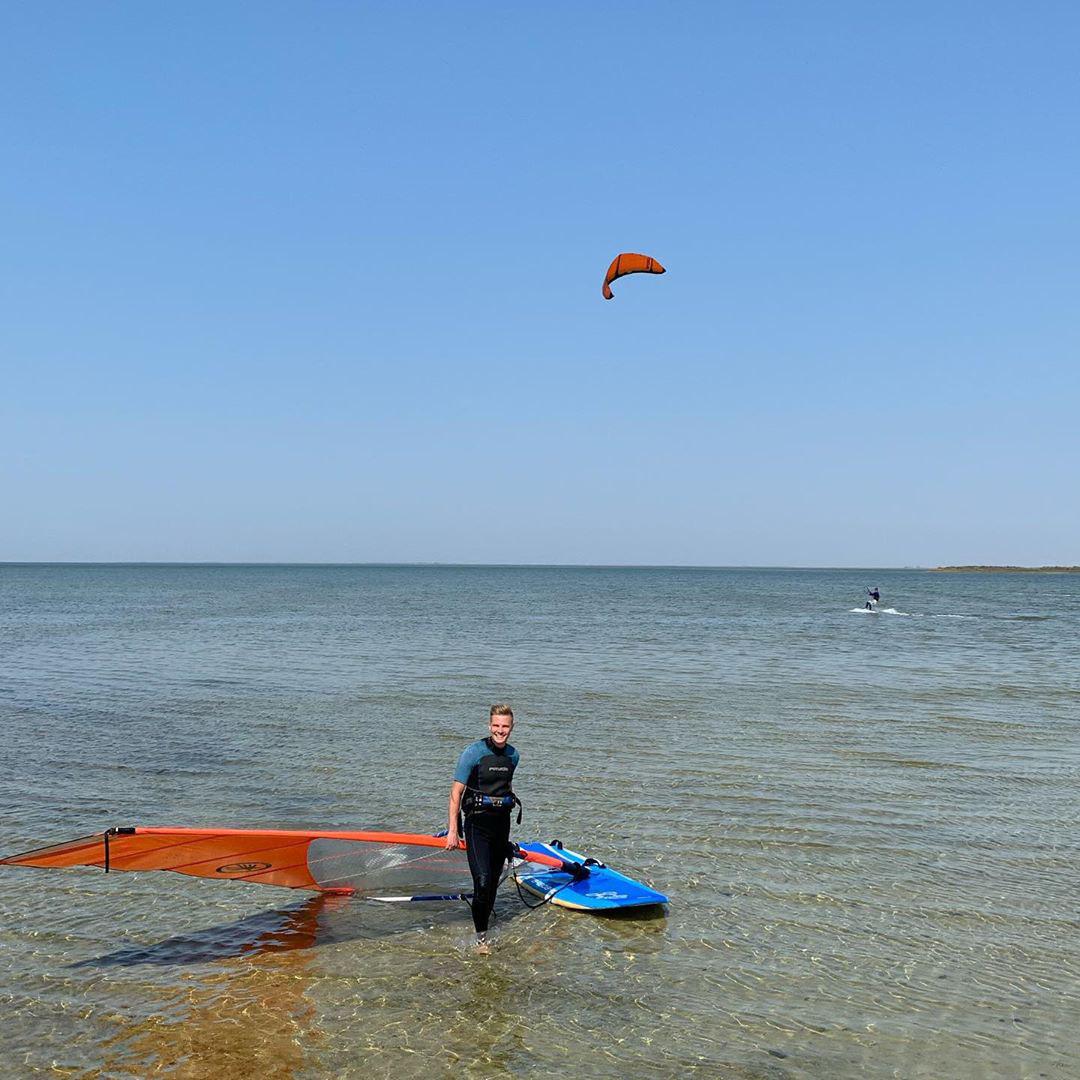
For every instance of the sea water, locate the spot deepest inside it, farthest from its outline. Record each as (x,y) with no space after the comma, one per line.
(867,823)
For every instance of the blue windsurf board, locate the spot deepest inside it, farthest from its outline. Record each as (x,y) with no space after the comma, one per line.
(603,890)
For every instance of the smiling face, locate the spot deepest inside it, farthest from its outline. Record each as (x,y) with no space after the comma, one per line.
(500,728)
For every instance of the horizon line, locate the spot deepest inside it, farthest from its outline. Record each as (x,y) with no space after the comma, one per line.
(446,565)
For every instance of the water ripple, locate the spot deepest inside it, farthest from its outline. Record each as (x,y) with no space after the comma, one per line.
(868,826)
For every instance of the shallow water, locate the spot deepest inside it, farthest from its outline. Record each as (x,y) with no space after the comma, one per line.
(867,824)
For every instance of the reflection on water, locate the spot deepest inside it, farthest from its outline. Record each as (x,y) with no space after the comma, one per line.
(867,825)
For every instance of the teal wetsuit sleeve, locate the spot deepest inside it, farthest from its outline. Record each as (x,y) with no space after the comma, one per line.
(467,762)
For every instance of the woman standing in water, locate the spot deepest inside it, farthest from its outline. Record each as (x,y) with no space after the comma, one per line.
(483,793)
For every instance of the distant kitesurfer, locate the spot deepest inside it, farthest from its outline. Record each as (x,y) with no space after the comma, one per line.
(873,595)
(481,802)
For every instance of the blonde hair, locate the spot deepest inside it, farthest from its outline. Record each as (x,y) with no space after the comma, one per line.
(502,710)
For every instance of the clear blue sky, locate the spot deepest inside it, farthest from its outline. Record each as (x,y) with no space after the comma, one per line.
(321,281)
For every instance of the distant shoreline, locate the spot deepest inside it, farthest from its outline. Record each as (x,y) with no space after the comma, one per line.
(120,564)
(1005,570)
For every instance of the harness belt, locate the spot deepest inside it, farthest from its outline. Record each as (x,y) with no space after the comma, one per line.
(475,802)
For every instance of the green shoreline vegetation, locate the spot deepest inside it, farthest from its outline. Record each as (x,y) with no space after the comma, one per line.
(1005,569)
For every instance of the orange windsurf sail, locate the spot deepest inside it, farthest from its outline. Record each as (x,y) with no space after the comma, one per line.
(364,863)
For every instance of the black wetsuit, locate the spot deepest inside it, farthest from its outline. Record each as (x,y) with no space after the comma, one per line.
(487,770)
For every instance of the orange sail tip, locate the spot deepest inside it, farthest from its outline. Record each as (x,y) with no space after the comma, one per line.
(629,262)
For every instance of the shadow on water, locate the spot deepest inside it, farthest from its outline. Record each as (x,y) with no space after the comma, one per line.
(320,920)
(654,913)
(278,930)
